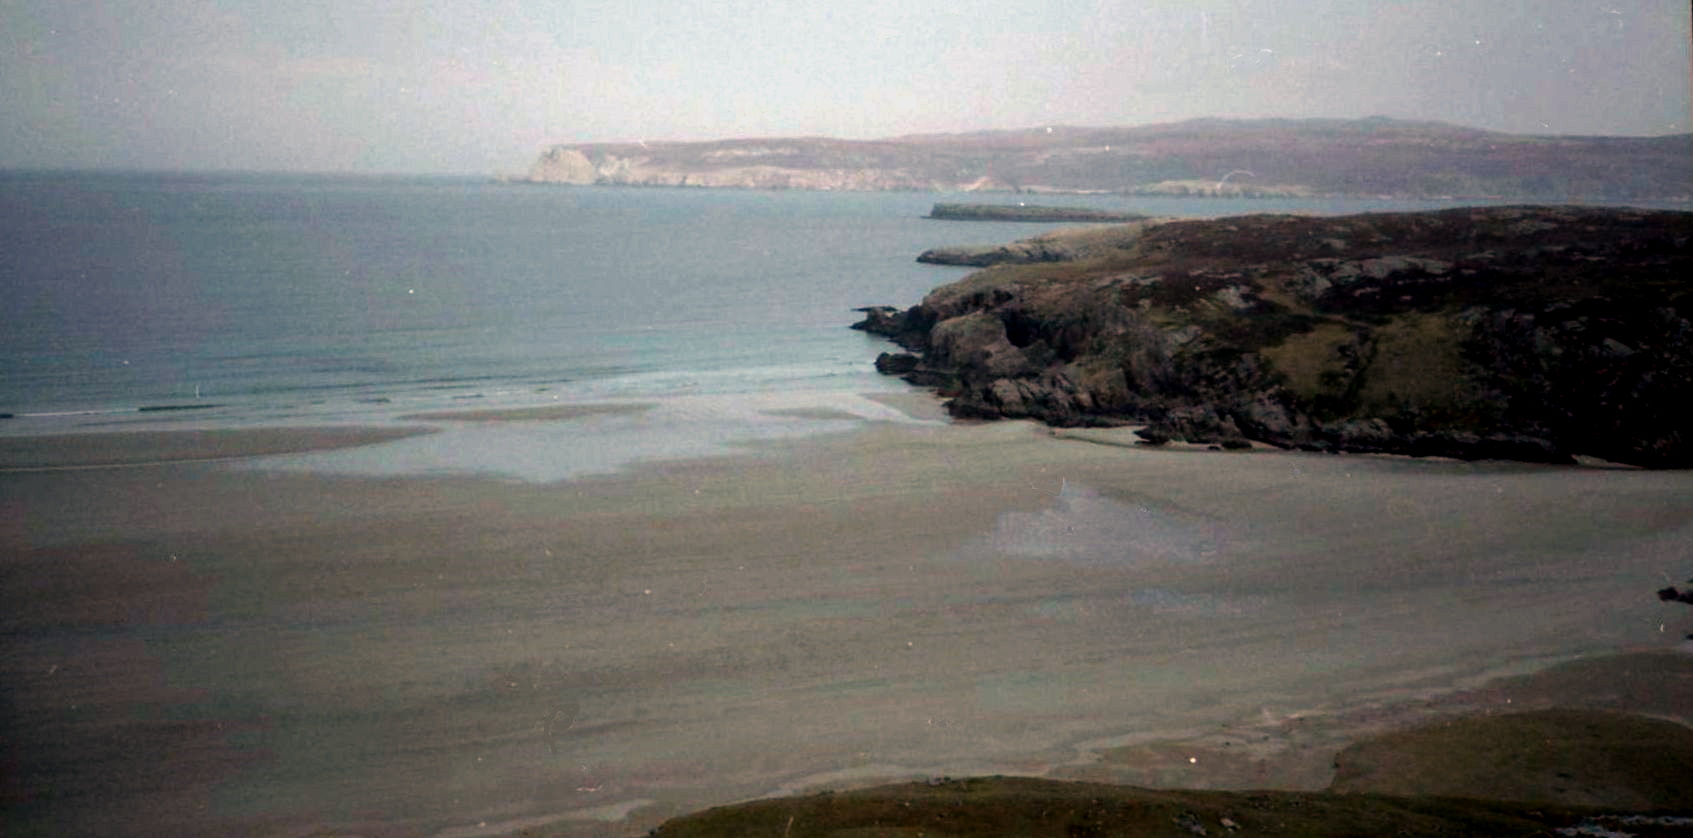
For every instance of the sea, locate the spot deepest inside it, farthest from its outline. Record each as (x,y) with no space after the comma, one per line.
(180,300)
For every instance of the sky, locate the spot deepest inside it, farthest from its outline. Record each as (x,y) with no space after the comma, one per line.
(482,86)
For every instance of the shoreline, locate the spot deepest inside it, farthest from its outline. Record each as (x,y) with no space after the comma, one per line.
(93,450)
(435,434)
(416,654)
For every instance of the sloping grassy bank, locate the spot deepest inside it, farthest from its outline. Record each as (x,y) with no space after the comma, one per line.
(1532,773)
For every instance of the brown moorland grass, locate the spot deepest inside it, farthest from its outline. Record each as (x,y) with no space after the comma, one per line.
(1017,806)
(1511,774)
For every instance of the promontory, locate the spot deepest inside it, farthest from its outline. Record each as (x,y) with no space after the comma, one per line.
(1538,333)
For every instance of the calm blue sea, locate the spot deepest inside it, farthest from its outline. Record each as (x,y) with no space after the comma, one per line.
(284,297)
(287,300)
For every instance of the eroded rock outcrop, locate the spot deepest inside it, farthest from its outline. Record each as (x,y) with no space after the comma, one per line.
(1524,333)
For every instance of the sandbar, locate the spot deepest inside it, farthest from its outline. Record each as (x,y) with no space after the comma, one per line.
(138,448)
(546,413)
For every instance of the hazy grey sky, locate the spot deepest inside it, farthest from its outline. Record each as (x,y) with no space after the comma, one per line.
(442,86)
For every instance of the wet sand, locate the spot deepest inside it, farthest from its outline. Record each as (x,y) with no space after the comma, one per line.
(545,413)
(143,448)
(200,648)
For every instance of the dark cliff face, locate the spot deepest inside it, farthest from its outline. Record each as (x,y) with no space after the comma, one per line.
(1529,333)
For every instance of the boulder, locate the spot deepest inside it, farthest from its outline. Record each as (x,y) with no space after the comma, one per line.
(900,363)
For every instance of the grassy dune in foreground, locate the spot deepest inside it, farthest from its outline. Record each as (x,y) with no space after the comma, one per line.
(1544,770)
(1004,806)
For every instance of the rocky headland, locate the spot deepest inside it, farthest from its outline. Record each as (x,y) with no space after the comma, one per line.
(1062,246)
(1525,333)
(1026,212)
(1223,158)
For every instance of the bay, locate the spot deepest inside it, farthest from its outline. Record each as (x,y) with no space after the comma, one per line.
(237,300)
(251,648)
(270,291)
(275,293)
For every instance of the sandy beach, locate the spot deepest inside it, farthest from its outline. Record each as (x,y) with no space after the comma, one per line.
(212,648)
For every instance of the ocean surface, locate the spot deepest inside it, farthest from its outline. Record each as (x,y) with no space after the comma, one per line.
(231,300)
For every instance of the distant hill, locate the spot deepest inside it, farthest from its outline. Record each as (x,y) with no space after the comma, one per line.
(1225,157)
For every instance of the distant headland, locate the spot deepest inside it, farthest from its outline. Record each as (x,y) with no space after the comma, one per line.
(1254,158)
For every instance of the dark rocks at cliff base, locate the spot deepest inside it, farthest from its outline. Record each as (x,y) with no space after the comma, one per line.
(1523,333)
(909,328)
(886,321)
(896,363)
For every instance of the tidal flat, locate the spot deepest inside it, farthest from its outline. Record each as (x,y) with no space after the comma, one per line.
(210,648)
